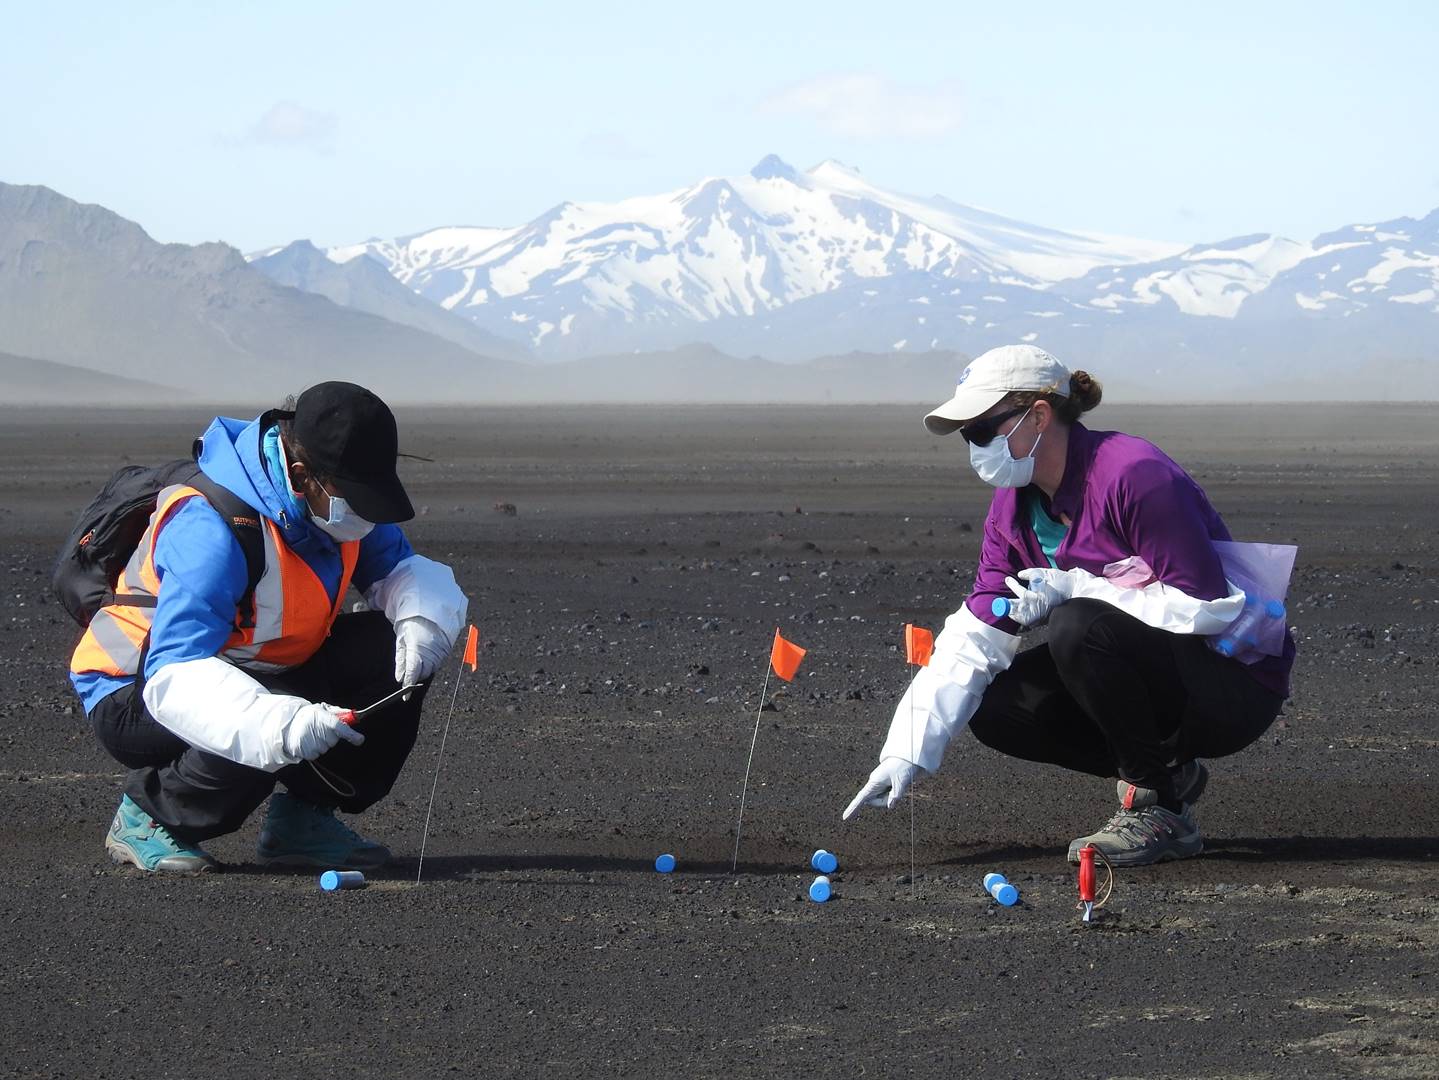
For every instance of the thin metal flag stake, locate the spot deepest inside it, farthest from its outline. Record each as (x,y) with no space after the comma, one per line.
(734,865)
(918,646)
(436,782)
(912,785)
(468,657)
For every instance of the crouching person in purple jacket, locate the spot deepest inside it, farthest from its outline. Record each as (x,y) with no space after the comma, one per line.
(1127,684)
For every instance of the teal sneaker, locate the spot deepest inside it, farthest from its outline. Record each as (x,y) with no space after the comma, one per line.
(297,833)
(138,839)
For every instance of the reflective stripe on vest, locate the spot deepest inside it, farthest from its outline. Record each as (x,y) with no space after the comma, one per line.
(293,610)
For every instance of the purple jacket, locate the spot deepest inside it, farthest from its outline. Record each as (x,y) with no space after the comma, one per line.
(1124,496)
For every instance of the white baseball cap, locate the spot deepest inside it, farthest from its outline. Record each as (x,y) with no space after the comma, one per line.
(992,375)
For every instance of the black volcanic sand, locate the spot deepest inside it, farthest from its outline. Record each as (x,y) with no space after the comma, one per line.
(627,610)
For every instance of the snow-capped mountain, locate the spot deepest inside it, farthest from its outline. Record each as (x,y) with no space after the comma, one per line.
(647,272)
(790,265)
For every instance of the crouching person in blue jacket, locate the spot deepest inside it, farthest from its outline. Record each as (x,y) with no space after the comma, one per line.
(214,694)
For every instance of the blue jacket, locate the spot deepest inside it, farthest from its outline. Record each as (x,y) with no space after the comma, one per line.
(202,568)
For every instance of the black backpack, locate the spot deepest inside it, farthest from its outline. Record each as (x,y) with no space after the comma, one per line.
(110,528)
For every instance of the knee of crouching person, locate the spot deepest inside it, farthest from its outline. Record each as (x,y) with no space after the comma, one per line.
(1074,624)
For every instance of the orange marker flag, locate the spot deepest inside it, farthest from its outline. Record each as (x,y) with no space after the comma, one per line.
(918,645)
(784,657)
(472,646)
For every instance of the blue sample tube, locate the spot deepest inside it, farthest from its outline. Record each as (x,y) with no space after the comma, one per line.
(819,890)
(826,862)
(1001,890)
(1000,607)
(1242,635)
(335,880)
(1005,893)
(665,863)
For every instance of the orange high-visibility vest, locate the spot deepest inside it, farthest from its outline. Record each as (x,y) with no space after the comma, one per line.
(293,610)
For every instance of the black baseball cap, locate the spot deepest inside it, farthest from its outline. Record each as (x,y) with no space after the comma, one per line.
(349,435)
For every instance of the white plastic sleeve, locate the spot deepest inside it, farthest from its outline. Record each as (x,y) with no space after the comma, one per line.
(942,697)
(421,586)
(216,707)
(1161,606)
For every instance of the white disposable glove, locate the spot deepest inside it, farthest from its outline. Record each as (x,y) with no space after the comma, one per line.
(885,786)
(420,648)
(316,728)
(1044,589)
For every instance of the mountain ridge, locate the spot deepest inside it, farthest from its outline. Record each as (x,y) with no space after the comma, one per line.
(790,265)
(583,278)
(80,285)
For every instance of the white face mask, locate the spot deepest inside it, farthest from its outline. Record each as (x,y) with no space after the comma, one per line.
(996,465)
(343,524)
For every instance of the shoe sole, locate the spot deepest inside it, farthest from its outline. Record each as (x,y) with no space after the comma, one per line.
(123,856)
(1169,854)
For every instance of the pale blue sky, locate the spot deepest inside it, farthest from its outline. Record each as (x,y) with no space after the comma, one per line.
(261,122)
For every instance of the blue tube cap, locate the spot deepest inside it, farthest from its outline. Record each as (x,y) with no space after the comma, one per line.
(665,863)
(826,862)
(334,880)
(1005,894)
(819,890)
(999,606)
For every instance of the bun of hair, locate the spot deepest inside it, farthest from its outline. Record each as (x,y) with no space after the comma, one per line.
(1084,390)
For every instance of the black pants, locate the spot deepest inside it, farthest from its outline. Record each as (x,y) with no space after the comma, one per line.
(197,795)
(1111,696)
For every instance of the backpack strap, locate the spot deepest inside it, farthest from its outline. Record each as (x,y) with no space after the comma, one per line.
(244,524)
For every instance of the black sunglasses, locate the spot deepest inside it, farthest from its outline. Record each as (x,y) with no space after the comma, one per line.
(982,432)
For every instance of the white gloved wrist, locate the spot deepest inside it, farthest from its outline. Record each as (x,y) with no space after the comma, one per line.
(420,648)
(1043,590)
(316,728)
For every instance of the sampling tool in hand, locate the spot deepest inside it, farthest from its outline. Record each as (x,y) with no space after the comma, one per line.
(334,781)
(349,716)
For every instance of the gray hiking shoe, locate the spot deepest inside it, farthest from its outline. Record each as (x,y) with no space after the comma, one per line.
(1138,836)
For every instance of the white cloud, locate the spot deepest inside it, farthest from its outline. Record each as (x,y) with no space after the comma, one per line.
(287,123)
(870,106)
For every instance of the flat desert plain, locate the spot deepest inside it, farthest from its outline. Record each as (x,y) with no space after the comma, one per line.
(626,609)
